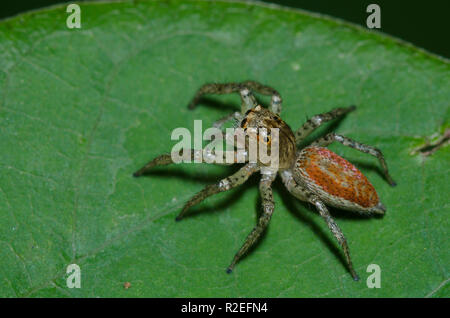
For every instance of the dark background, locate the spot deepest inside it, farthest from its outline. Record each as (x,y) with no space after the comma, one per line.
(423,23)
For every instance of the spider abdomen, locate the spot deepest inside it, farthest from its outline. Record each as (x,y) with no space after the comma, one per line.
(336,181)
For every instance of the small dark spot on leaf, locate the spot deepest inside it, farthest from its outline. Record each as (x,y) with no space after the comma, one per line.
(431,147)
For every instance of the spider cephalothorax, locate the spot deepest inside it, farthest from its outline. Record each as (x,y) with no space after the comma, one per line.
(313,174)
(263,120)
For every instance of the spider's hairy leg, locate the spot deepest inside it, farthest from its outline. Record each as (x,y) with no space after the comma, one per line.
(219,123)
(248,101)
(331,137)
(161,160)
(226,184)
(317,120)
(268,206)
(303,194)
(166,159)
(293,187)
(276,101)
(325,214)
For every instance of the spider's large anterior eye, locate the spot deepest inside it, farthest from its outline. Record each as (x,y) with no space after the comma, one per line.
(267,137)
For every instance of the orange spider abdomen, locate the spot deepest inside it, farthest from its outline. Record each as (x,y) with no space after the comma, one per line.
(336,176)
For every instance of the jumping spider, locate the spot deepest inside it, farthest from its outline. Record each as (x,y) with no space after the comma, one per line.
(313,174)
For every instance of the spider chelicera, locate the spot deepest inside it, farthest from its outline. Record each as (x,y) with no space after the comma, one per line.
(312,174)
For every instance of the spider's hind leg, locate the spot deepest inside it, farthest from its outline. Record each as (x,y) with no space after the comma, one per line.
(331,137)
(303,194)
(263,221)
(334,228)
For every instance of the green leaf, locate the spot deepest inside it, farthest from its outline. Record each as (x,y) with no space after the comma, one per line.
(82,109)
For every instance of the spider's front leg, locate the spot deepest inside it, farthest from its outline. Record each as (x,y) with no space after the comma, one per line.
(166,159)
(268,206)
(248,101)
(236,115)
(275,102)
(331,137)
(244,89)
(226,184)
(317,120)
